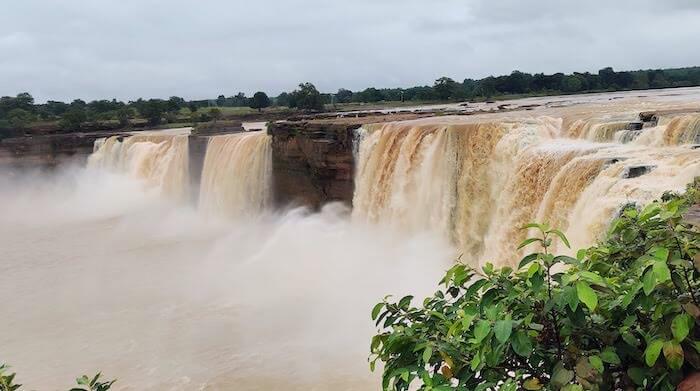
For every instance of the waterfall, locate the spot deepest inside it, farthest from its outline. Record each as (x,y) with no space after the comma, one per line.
(478,183)
(673,129)
(159,160)
(236,174)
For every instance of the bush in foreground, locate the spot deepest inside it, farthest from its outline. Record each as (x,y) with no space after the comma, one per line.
(84,383)
(621,315)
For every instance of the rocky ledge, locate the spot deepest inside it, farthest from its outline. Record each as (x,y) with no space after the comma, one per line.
(312,160)
(48,151)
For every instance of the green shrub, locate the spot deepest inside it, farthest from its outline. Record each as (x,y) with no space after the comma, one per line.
(621,315)
(84,383)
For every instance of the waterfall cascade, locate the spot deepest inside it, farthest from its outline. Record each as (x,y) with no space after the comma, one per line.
(236,174)
(235,177)
(479,182)
(160,160)
(474,180)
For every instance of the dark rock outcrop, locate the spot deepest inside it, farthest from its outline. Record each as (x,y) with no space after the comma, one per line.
(637,171)
(47,151)
(312,163)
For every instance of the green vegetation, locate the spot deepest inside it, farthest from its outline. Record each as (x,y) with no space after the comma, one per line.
(621,315)
(20,114)
(306,97)
(259,101)
(7,382)
(525,84)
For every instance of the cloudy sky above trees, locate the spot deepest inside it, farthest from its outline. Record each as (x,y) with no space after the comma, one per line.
(198,49)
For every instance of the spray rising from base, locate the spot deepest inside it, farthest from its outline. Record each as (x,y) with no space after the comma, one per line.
(101,274)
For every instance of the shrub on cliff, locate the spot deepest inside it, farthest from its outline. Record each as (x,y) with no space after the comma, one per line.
(620,315)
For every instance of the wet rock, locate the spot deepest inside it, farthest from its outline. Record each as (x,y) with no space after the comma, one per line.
(637,171)
(634,126)
(614,160)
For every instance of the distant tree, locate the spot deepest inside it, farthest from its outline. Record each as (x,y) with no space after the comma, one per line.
(25,101)
(259,101)
(239,100)
(486,87)
(515,83)
(344,96)
(370,94)
(215,113)
(123,116)
(175,103)
(22,101)
(444,88)
(306,97)
(78,103)
(571,83)
(193,107)
(607,78)
(152,110)
(73,119)
(282,99)
(221,101)
(20,118)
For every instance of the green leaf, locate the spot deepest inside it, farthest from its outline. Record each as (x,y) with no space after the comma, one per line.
(561,376)
(652,352)
(596,363)
(561,236)
(481,330)
(534,268)
(476,361)
(376,309)
(522,345)
(405,301)
(532,384)
(566,259)
(528,241)
(503,329)
(427,354)
(593,278)
(661,271)
(571,297)
(527,259)
(674,354)
(532,225)
(630,339)
(638,375)
(660,253)
(586,295)
(649,281)
(609,356)
(680,327)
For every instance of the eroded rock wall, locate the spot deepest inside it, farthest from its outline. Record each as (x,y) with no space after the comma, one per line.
(312,163)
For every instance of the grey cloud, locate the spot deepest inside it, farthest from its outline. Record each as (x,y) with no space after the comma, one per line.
(131,48)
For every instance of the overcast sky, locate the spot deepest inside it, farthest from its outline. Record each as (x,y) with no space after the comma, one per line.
(93,49)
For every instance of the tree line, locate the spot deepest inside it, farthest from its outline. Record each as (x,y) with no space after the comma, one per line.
(18,112)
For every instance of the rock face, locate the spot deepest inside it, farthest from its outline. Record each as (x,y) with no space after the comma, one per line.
(196,150)
(47,151)
(312,163)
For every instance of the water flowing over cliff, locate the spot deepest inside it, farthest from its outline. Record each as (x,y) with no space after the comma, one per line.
(236,174)
(479,182)
(159,160)
(624,128)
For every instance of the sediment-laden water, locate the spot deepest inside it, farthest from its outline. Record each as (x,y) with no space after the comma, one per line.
(117,267)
